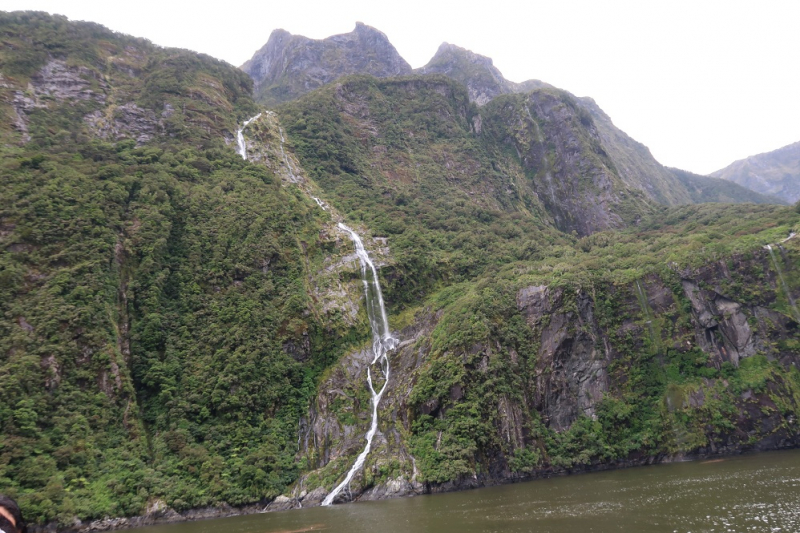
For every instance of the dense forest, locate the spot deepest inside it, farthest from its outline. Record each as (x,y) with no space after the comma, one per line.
(181,327)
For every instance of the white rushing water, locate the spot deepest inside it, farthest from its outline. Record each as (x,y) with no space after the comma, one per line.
(382,343)
(292,177)
(242,148)
(786,290)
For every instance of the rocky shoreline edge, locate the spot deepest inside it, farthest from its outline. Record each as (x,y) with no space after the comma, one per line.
(159,514)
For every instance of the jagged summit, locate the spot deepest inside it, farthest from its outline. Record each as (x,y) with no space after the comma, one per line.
(289,65)
(482,79)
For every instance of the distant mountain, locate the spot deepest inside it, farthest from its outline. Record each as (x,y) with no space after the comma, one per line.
(776,173)
(478,73)
(704,189)
(289,65)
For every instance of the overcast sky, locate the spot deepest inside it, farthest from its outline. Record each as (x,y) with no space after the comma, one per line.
(701,83)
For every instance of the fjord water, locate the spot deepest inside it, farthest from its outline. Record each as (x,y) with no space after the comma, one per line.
(759,493)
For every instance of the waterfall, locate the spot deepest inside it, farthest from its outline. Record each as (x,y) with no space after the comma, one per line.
(645,305)
(540,139)
(242,148)
(382,343)
(792,303)
(292,177)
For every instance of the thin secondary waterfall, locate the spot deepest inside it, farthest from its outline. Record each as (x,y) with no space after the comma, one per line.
(645,305)
(382,343)
(320,203)
(540,139)
(783,281)
(242,148)
(289,165)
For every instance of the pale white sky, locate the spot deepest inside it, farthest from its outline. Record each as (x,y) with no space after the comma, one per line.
(701,83)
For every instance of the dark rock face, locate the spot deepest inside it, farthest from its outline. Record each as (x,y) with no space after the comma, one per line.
(563,154)
(289,65)
(571,372)
(729,329)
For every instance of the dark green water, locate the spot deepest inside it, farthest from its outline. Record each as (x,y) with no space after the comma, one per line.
(739,494)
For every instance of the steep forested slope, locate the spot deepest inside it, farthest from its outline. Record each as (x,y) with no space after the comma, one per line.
(182,328)
(150,282)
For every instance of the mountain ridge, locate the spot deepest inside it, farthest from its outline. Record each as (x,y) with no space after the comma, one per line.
(774,173)
(631,160)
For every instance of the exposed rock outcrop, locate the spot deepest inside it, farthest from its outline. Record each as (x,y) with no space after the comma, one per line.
(581,359)
(127,121)
(289,65)
(483,80)
(571,375)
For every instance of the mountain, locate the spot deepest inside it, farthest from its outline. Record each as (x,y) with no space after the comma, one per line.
(774,173)
(482,79)
(153,326)
(706,189)
(289,65)
(182,323)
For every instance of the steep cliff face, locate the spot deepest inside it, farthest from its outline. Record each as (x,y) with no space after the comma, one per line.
(289,66)
(561,150)
(693,361)
(775,173)
(181,328)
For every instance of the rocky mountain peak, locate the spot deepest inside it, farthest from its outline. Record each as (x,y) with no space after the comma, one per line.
(288,66)
(477,72)
(482,79)
(449,51)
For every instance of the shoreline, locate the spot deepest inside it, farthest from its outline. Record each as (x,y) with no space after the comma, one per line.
(170,516)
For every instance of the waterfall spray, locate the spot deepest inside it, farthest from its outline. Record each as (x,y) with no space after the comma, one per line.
(382,343)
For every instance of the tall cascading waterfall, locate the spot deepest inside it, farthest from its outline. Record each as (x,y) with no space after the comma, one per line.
(382,343)
(783,281)
(242,148)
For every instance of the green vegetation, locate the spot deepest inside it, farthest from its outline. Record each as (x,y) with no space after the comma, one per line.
(146,292)
(162,330)
(664,396)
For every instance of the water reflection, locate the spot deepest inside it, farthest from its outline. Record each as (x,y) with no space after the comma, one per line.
(752,493)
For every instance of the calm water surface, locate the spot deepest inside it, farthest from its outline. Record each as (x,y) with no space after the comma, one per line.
(740,494)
